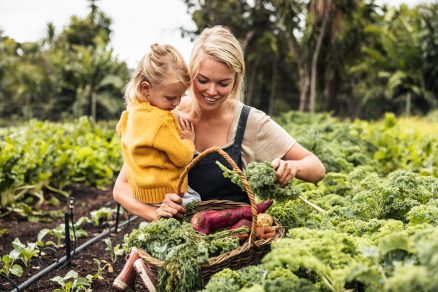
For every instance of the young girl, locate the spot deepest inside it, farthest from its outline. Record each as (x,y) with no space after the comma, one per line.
(155,150)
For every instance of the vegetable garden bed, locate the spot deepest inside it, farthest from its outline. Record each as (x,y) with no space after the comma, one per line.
(378,230)
(87,200)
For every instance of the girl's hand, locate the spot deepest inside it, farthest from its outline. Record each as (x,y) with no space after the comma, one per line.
(187,129)
(285,170)
(171,207)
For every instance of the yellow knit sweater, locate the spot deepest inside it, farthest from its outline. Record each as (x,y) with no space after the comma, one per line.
(153,152)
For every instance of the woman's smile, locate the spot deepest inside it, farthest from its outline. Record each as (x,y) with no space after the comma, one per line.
(210,100)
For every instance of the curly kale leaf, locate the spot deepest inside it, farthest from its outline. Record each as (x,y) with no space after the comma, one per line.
(423,214)
(229,280)
(261,178)
(182,249)
(391,197)
(159,237)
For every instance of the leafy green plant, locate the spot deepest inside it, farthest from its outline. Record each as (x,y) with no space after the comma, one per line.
(59,232)
(182,249)
(27,252)
(72,282)
(114,251)
(9,266)
(104,213)
(38,158)
(261,178)
(20,251)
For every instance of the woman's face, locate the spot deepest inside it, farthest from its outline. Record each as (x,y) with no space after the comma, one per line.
(213,84)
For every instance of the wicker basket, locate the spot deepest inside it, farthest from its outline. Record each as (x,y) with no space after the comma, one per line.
(250,252)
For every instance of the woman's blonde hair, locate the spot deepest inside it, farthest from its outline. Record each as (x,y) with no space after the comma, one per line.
(219,43)
(163,65)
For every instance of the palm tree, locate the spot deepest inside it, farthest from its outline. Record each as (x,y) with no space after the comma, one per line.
(96,73)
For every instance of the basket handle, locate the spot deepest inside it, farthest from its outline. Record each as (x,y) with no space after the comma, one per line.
(235,168)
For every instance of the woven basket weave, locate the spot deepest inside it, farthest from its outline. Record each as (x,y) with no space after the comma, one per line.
(249,253)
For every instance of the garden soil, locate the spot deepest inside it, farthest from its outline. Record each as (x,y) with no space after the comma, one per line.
(87,200)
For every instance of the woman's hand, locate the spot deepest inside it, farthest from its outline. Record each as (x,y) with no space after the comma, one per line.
(187,129)
(171,207)
(285,170)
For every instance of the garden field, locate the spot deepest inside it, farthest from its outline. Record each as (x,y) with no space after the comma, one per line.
(377,231)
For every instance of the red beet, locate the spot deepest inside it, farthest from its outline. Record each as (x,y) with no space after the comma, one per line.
(211,220)
(242,222)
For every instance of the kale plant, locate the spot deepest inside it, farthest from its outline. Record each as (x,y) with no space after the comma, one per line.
(261,178)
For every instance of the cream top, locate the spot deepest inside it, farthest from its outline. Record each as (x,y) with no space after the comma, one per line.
(264,139)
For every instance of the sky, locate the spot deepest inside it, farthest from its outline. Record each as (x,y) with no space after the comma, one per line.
(136,23)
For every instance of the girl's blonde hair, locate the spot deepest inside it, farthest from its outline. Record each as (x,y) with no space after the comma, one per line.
(219,43)
(163,65)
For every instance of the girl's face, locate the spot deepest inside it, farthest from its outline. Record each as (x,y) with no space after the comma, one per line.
(165,97)
(213,84)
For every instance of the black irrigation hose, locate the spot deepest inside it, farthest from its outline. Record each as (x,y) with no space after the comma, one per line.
(53,250)
(9,280)
(62,261)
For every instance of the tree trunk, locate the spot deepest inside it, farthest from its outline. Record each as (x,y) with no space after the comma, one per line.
(252,81)
(303,75)
(247,39)
(304,87)
(93,105)
(408,104)
(314,66)
(273,87)
(328,89)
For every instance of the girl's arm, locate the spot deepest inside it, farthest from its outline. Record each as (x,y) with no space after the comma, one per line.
(171,206)
(298,162)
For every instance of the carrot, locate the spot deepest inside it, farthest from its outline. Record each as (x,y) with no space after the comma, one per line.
(240,223)
(211,220)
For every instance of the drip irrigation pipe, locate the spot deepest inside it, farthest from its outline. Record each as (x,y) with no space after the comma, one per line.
(63,260)
(9,280)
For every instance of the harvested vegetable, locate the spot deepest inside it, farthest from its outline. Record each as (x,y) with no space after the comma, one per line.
(265,232)
(208,221)
(261,178)
(182,249)
(242,222)
(264,220)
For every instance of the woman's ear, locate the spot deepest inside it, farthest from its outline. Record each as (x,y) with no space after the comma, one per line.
(145,88)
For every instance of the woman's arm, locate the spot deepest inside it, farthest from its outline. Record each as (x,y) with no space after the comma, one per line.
(122,195)
(298,162)
(171,206)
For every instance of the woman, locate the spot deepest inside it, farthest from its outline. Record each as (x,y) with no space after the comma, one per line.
(220,119)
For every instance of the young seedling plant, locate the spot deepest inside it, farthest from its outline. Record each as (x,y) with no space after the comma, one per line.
(73,282)
(23,252)
(59,232)
(103,214)
(114,251)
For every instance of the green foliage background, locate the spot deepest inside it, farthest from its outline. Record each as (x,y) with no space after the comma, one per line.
(353,58)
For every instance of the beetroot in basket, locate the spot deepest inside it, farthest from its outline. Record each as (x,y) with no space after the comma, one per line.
(211,220)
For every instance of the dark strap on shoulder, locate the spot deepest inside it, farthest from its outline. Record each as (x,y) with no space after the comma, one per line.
(241,126)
